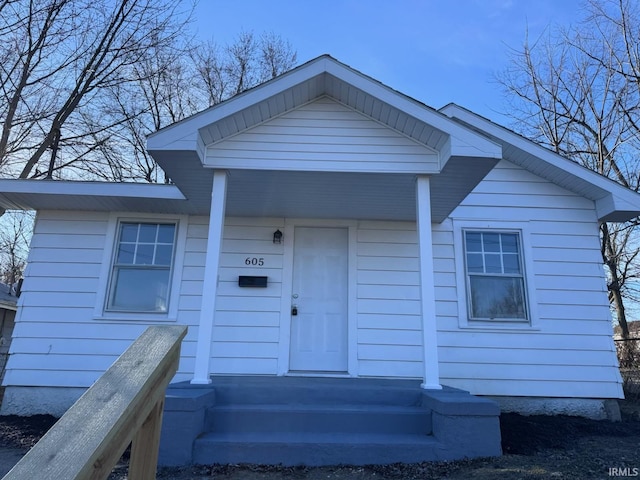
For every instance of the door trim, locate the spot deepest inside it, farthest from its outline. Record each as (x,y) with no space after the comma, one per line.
(287,285)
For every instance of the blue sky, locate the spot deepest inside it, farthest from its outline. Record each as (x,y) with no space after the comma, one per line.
(435,51)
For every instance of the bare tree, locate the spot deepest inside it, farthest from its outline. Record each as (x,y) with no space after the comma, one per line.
(57,60)
(577,92)
(172,86)
(15,232)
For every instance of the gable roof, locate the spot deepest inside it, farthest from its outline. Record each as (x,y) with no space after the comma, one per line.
(465,156)
(468,147)
(614,202)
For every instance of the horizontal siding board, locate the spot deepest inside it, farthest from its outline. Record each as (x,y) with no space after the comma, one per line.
(523,356)
(389,322)
(68,241)
(66,255)
(248,319)
(534,340)
(388,292)
(245,334)
(89,330)
(245,350)
(248,304)
(384,368)
(508,371)
(387,236)
(60,285)
(386,264)
(390,278)
(395,306)
(567,255)
(388,250)
(66,226)
(71,270)
(389,337)
(55,299)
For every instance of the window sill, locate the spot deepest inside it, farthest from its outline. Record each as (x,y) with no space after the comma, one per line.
(135,318)
(500,327)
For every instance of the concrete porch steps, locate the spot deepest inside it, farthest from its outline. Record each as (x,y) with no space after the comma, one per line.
(338,418)
(324,421)
(315,449)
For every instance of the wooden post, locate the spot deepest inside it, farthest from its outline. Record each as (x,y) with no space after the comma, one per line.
(144,448)
(125,404)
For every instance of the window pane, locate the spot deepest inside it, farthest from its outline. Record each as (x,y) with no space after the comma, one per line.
(474,241)
(491,242)
(125,253)
(497,297)
(166,233)
(509,243)
(474,263)
(144,255)
(140,290)
(492,263)
(128,232)
(163,255)
(148,232)
(511,263)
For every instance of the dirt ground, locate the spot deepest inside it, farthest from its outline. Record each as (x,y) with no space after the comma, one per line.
(535,447)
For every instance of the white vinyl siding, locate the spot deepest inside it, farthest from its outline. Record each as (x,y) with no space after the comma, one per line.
(568,351)
(325,136)
(57,340)
(247,322)
(388,300)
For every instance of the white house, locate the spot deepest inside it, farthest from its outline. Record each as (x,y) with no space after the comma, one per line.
(323,224)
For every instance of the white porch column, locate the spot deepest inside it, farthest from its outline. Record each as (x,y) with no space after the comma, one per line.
(210,284)
(431,372)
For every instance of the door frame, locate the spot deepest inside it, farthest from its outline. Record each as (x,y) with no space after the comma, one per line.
(290,225)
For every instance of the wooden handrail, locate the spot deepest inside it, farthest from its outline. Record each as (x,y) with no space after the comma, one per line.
(124,406)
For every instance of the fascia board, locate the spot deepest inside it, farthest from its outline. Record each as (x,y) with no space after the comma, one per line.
(547,156)
(164,139)
(69,187)
(464,142)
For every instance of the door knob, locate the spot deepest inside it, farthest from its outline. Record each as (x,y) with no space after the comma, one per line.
(294,310)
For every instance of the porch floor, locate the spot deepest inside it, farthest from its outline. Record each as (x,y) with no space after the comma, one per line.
(296,420)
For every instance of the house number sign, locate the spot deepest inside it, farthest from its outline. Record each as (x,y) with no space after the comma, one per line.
(254,261)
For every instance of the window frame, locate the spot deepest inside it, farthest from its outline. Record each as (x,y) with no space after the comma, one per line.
(463,280)
(103,311)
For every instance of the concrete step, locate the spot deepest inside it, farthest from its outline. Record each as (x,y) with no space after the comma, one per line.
(283,390)
(315,449)
(340,418)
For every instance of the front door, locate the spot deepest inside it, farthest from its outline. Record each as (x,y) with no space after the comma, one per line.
(320,306)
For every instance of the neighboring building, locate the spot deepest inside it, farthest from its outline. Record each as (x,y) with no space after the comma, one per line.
(323,224)
(8,300)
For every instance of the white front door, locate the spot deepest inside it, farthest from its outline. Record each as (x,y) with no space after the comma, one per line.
(319,299)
